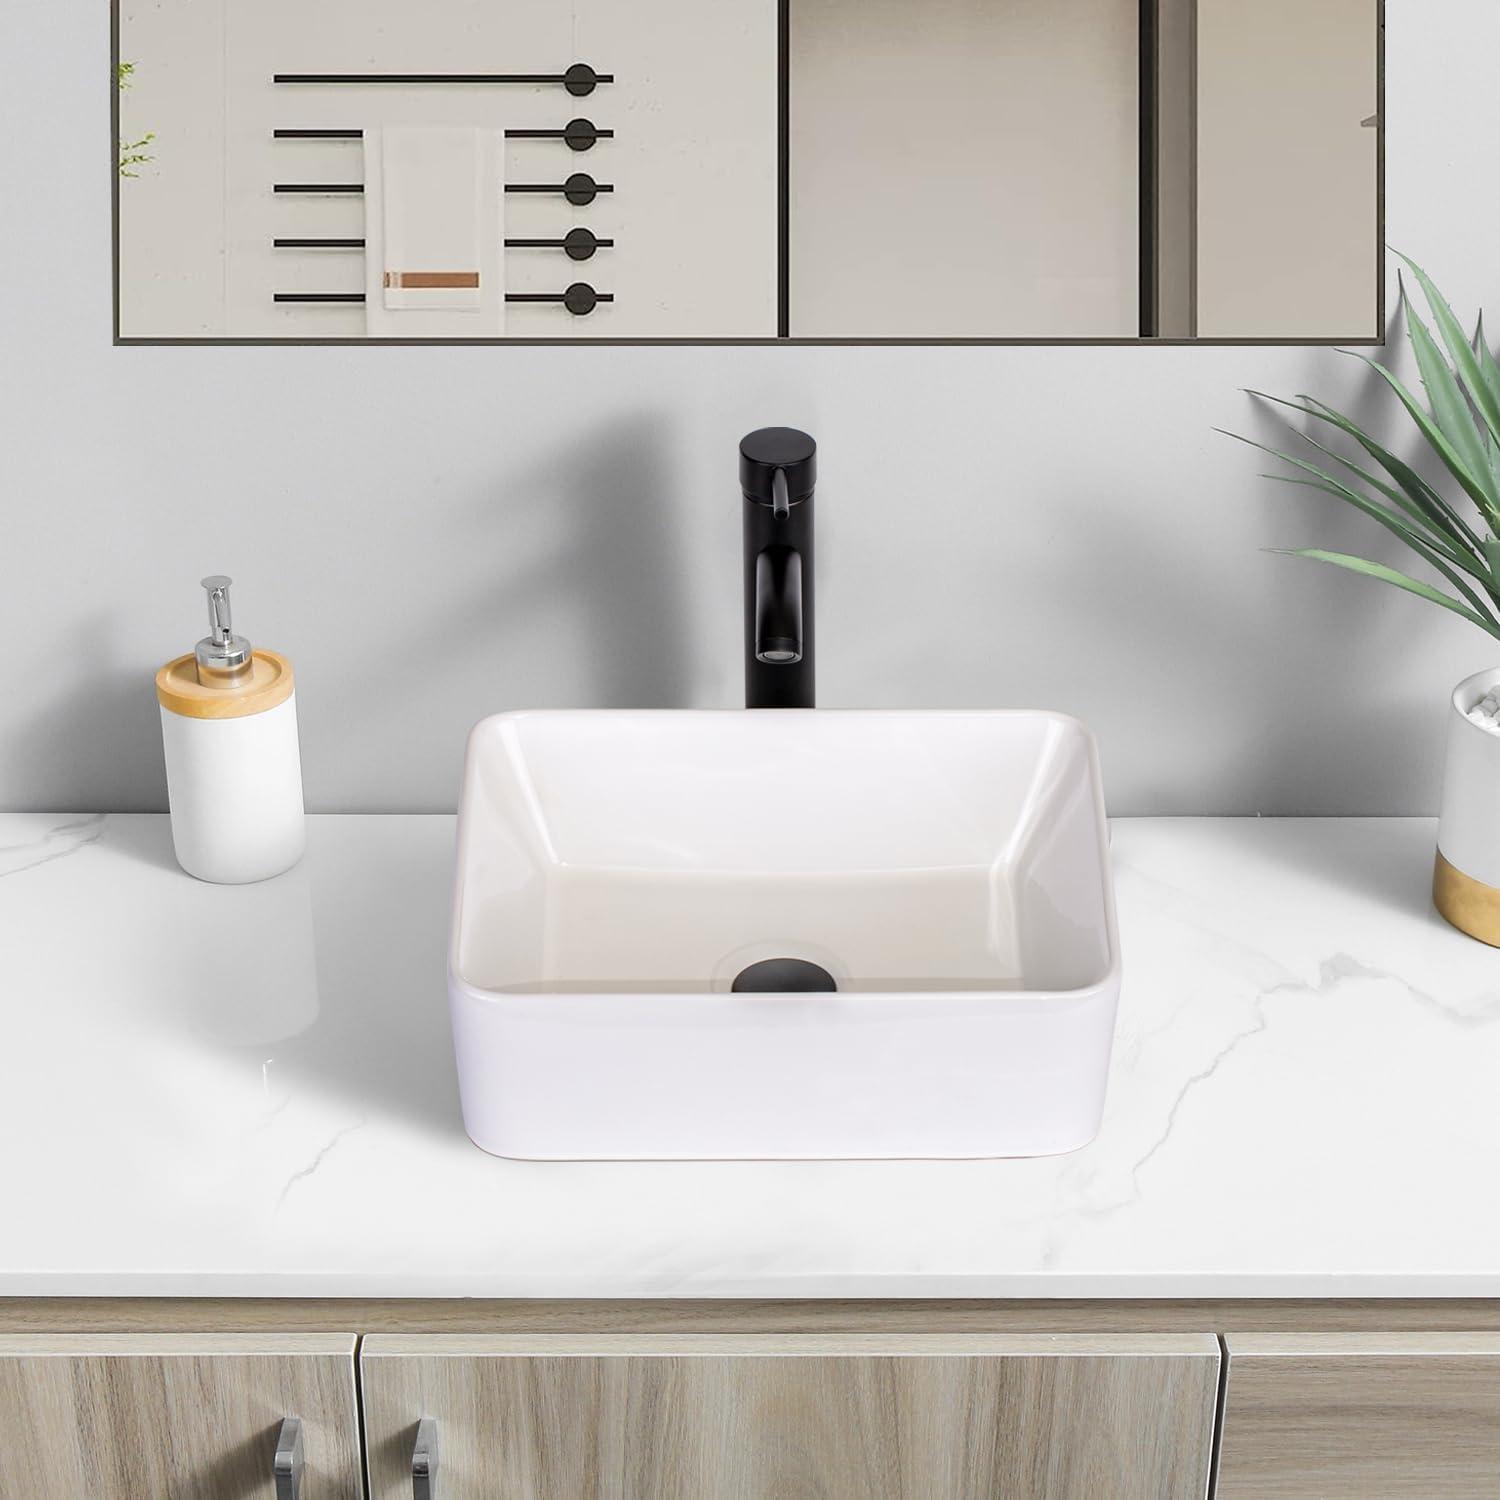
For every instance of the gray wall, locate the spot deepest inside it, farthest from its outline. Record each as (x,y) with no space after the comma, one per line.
(433,534)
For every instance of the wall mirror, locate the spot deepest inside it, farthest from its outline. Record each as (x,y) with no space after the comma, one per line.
(748,170)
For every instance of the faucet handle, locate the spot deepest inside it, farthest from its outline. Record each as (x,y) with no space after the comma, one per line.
(781,504)
(778,467)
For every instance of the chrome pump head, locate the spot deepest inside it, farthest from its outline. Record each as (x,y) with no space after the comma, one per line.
(222,655)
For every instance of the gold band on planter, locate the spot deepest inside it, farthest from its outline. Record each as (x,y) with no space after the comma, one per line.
(1470,905)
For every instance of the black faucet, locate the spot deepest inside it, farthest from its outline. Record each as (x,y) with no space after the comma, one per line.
(778,473)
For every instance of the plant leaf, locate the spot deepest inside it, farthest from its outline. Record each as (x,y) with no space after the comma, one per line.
(1486,397)
(1431,545)
(1402,472)
(1489,371)
(1422,495)
(1392,520)
(1406,535)
(1430,553)
(1390,575)
(1439,527)
(1450,410)
(1473,485)
(1443,514)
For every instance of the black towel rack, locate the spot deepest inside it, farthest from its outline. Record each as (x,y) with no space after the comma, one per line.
(580,299)
(580,80)
(320,243)
(579,244)
(579,135)
(579,189)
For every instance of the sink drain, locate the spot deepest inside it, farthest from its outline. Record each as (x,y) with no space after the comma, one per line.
(782,976)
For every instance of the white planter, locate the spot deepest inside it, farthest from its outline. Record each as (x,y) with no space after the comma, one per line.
(1466,881)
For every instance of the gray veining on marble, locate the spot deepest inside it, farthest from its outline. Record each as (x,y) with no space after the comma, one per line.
(1300,1104)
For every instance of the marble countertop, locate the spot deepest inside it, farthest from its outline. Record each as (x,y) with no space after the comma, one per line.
(250,1091)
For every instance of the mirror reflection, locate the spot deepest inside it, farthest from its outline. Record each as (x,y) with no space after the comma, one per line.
(748,169)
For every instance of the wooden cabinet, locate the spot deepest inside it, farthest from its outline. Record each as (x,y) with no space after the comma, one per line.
(756,1416)
(751,1412)
(174,1416)
(1360,1415)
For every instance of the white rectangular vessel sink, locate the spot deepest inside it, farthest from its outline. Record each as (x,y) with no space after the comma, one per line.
(617,871)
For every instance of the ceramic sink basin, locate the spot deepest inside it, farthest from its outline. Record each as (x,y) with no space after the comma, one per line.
(617,871)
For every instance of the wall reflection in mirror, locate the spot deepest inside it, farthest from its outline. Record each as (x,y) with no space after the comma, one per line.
(747,169)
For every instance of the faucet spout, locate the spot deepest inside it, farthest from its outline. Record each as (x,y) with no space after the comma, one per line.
(778,474)
(778,606)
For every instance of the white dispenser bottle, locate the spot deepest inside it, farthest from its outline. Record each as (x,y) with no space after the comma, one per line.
(234,771)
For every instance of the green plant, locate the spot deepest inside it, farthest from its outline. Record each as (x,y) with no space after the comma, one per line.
(1461,425)
(132,153)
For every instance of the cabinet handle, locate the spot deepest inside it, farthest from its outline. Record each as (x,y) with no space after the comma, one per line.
(287,1466)
(424,1461)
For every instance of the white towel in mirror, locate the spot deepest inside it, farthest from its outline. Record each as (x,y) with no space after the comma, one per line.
(434,232)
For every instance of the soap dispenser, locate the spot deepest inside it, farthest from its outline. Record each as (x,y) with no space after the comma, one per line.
(234,771)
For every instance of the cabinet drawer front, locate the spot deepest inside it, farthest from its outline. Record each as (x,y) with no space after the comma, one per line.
(174,1416)
(742,1416)
(1361,1415)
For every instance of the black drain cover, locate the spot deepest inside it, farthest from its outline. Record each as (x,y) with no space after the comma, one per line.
(782,976)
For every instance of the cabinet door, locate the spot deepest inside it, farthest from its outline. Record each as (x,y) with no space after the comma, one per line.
(743,1416)
(174,1416)
(1361,1415)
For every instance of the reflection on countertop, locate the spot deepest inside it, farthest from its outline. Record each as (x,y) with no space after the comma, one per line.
(249,1091)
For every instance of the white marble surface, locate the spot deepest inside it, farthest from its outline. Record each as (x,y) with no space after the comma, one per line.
(249,1091)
